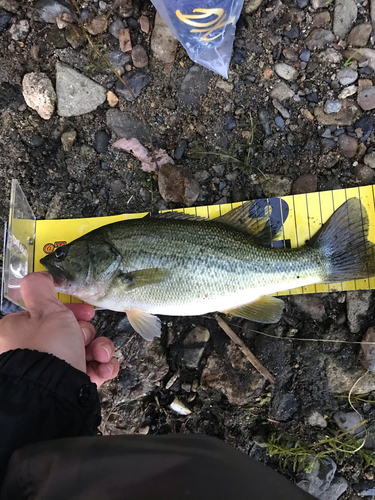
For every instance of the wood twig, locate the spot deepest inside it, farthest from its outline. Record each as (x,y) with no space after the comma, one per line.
(250,356)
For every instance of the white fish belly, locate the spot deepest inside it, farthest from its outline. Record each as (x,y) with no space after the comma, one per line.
(204,305)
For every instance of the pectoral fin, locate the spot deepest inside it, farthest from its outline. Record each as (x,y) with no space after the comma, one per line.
(135,279)
(264,310)
(147,325)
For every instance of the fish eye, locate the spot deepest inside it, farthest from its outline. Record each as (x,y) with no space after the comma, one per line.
(61,252)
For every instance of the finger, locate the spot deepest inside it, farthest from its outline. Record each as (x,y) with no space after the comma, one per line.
(38,293)
(101,372)
(100,349)
(88,331)
(81,311)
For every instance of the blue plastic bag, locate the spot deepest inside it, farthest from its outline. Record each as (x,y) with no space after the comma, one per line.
(205,28)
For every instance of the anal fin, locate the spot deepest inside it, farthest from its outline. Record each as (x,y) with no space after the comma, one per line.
(146,324)
(263,310)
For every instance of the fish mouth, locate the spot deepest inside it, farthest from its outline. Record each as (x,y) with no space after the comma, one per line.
(60,276)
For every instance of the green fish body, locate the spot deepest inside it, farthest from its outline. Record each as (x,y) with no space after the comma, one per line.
(180,265)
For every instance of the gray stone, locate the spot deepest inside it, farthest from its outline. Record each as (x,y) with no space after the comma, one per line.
(348,145)
(369,160)
(118,59)
(311,305)
(76,94)
(316,419)
(136,80)
(332,106)
(39,94)
(177,184)
(193,346)
(344,16)
(347,76)
(115,27)
(281,91)
(19,30)
(319,38)
(194,85)
(275,186)
(347,421)
(357,306)
(280,108)
(126,126)
(365,176)
(163,42)
(139,56)
(286,72)
(359,35)
(366,99)
(320,4)
(101,141)
(321,482)
(280,123)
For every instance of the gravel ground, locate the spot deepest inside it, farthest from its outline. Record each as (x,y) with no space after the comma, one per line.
(294,116)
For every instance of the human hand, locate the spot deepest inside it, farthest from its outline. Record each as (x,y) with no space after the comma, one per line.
(48,325)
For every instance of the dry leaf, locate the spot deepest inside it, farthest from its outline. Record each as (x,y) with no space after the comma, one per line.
(134,147)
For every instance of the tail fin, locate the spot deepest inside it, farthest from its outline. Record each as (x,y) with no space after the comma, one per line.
(343,240)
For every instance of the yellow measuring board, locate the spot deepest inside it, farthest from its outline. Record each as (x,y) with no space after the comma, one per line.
(298,218)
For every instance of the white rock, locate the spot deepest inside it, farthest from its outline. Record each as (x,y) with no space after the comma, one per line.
(76,94)
(316,419)
(39,94)
(348,91)
(286,72)
(179,407)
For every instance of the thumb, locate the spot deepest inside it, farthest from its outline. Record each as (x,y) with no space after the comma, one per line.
(38,293)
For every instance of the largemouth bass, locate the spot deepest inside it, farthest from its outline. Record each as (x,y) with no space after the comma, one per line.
(179,265)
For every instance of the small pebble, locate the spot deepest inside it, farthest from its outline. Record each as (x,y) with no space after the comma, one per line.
(4,20)
(179,152)
(115,27)
(265,121)
(312,97)
(239,55)
(365,124)
(305,55)
(144,24)
(347,145)
(286,72)
(19,30)
(366,99)
(332,106)
(67,139)
(280,122)
(347,76)
(369,160)
(302,4)
(229,123)
(293,33)
(101,141)
(139,56)
(132,23)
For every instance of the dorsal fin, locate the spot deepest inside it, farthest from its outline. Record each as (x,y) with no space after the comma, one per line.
(246,218)
(175,215)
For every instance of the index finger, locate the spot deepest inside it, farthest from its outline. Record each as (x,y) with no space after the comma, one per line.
(38,293)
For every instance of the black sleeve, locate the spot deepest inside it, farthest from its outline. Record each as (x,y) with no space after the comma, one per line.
(41,398)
